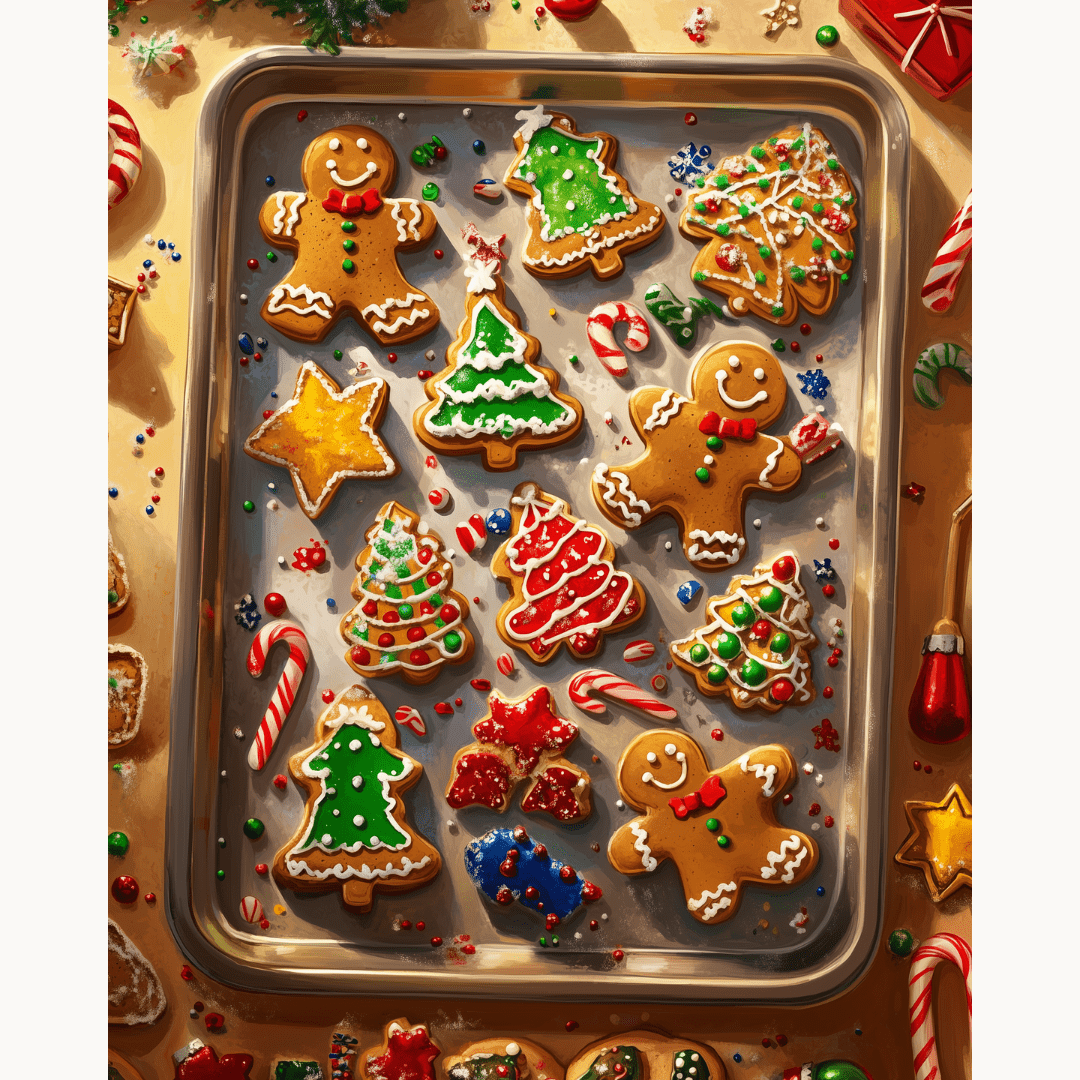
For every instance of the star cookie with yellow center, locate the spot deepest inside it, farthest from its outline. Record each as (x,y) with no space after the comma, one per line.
(939,842)
(324,435)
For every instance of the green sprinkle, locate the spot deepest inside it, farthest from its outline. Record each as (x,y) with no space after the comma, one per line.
(348,265)
(349,245)
(700,208)
(753,202)
(764,252)
(714,442)
(700,181)
(834,254)
(543,941)
(221,875)
(716,674)
(759,277)
(817,244)
(723,229)
(144,19)
(797,202)
(114,30)
(818,208)
(271,256)
(722,841)
(712,824)
(763,183)
(722,181)
(849,255)
(221,841)
(113,596)
(249,507)
(845,278)
(515,4)
(827,36)
(758,152)
(833,164)
(452,640)
(430,191)
(253,828)
(337,354)
(785,165)
(702,473)
(700,275)
(574,359)
(778,309)
(751,168)
(699,653)
(113,684)
(348,226)
(555,940)
(773,141)
(744,211)
(779,346)
(797,144)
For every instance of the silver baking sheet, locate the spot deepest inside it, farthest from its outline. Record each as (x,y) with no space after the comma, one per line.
(249,130)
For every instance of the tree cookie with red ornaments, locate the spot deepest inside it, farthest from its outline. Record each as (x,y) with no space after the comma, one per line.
(718,826)
(408,620)
(521,740)
(325,435)
(645,1055)
(780,222)
(406,1053)
(754,648)
(503,1059)
(581,212)
(705,454)
(346,233)
(564,588)
(354,835)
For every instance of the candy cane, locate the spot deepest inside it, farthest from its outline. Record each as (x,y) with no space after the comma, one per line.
(939,289)
(928,367)
(601,330)
(125,153)
(407,715)
(285,693)
(604,682)
(926,957)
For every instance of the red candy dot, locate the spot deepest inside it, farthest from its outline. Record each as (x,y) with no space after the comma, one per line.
(280,782)
(150,432)
(827,692)
(264,924)
(678,191)
(328,696)
(243,361)
(436,942)
(267,413)
(438,253)
(301,116)
(448,612)
(421,926)
(819,358)
(418,658)
(593,924)
(781,1040)
(834,543)
(717,734)
(433,578)
(764,1042)
(690,120)
(468,949)
(253,264)
(392,357)
(125,889)
(262,869)
(782,690)
(571,1025)
(424,373)
(917,765)
(784,568)
(153,274)
(458,701)
(804,329)
(539,12)
(150,898)
(359,655)
(415,633)
(214,1021)
(370,608)
(257,357)
(787,799)
(274,603)
(828,590)
(391,617)
(187,975)
(815,809)
(406,924)
(140,288)
(828,822)
(155,498)
(794,346)
(385,641)
(928,768)
(832,661)
(617,955)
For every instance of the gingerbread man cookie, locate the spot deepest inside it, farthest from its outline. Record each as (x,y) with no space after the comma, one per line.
(346,235)
(705,454)
(718,826)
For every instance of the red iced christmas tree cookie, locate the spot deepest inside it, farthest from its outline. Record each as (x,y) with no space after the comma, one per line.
(754,648)
(406,1053)
(521,740)
(408,619)
(564,586)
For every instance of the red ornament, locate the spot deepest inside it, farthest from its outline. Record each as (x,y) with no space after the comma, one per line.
(125,889)
(301,116)
(571,10)
(253,264)
(150,898)
(360,656)
(262,869)
(392,357)
(940,708)
(274,603)
(828,590)
(784,568)
(717,734)
(804,329)
(834,543)
(617,955)
(438,253)
(690,120)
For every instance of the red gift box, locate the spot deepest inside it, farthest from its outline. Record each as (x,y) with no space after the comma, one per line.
(930,41)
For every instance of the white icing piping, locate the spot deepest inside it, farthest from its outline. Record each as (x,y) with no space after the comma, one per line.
(793,843)
(274,306)
(298,199)
(771,460)
(761,395)
(395,206)
(664,409)
(762,772)
(724,902)
(608,494)
(370,171)
(642,847)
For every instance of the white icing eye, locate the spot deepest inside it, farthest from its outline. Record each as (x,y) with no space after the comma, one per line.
(335,145)
(650,757)
(669,749)
(362,143)
(759,374)
(734,363)
(331,163)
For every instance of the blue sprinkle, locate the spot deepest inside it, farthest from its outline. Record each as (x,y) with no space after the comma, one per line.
(821,890)
(269,181)
(498,522)
(149,510)
(246,612)
(176,256)
(113,492)
(161,245)
(479,147)
(858,1031)
(246,344)
(824,571)
(147,263)
(140,438)
(273,393)
(331,602)
(261,342)
(687,591)
(815,383)
(736,1057)
(171,245)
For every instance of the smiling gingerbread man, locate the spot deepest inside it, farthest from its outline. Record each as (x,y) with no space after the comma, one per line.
(346,235)
(705,454)
(718,826)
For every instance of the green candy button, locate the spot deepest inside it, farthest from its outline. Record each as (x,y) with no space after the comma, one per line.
(349,245)
(712,824)
(348,265)
(728,646)
(698,653)
(249,507)
(118,843)
(722,841)
(716,675)
(770,599)
(348,226)
(702,473)
(714,442)
(827,36)
(253,828)
(337,354)
(901,943)
(452,641)
(430,192)
(405,611)
(742,615)
(753,673)
(113,596)
(780,643)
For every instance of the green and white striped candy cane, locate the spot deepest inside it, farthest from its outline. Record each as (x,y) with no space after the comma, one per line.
(930,364)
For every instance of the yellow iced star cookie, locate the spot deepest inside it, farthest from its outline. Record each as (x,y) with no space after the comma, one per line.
(939,842)
(324,435)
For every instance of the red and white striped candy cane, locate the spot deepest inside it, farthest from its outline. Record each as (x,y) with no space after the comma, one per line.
(407,715)
(604,682)
(926,957)
(601,330)
(125,153)
(471,534)
(285,692)
(638,650)
(939,289)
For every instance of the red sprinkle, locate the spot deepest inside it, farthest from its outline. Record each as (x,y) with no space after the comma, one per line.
(834,543)
(815,809)
(781,1040)
(827,692)
(438,253)
(198,1006)
(392,357)
(794,346)
(149,897)
(215,1020)
(420,926)
(406,924)
(690,120)
(481,684)
(150,432)
(832,661)
(257,357)
(804,329)
(468,949)
(571,1025)
(764,1042)
(328,696)
(186,973)
(678,191)
(280,782)
(819,358)
(253,264)
(159,471)
(262,869)
(928,768)
(828,590)
(787,799)
(155,498)
(424,373)
(267,413)
(264,924)
(243,361)
(539,12)
(458,702)
(917,764)
(717,734)
(431,461)
(436,942)
(617,955)
(301,116)
(593,924)
(828,822)
(443,708)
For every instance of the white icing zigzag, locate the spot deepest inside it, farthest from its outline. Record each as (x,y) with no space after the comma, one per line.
(609,495)
(793,843)
(640,845)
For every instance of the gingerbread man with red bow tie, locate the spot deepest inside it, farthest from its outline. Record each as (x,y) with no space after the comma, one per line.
(718,826)
(707,453)
(345,234)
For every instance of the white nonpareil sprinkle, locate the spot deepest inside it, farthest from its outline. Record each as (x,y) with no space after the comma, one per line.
(571,205)
(620,804)
(757,523)
(819,779)
(401,116)
(466,113)
(669,198)
(281,560)
(272,504)
(667,545)
(819,522)
(238,732)
(568,175)
(808,768)
(815,826)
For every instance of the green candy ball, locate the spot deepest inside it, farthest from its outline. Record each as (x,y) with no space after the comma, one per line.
(113,596)
(838,1070)
(716,674)
(728,646)
(430,192)
(722,841)
(701,473)
(753,673)
(348,265)
(405,611)
(348,226)
(901,943)
(742,615)
(714,442)
(780,643)
(253,828)
(452,641)
(698,653)
(771,599)
(118,843)
(249,507)
(712,824)
(827,36)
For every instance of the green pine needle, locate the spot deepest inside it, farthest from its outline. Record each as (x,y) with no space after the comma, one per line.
(330,23)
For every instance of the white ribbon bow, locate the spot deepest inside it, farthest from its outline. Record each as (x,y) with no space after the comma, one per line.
(932,12)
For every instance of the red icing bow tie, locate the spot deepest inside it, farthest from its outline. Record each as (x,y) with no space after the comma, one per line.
(339,203)
(708,795)
(726,428)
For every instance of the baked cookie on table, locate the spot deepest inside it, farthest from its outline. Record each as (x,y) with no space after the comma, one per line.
(645,1055)
(503,1059)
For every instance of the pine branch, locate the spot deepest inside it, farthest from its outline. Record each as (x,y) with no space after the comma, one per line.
(331,23)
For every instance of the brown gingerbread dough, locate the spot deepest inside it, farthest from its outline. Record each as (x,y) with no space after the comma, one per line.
(665,774)
(346,234)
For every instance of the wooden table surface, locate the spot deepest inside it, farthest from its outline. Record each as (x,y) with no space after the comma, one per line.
(146,383)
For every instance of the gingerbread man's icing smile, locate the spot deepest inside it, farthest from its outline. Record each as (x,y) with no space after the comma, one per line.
(370,168)
(670,751)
